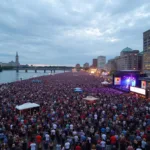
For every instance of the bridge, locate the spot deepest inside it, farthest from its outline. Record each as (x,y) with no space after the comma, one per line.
(52,69)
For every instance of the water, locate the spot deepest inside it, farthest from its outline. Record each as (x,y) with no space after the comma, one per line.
(12,75)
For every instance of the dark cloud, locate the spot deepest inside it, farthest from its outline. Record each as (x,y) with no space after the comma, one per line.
(69,32)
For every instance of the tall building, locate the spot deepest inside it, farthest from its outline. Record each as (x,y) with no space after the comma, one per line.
(111,65)
(101,61)
(86,65)
(146,52)
(146,41)
(146,62)
(128,59)
(94,63)
(78,66)
(17,59)
(140,61)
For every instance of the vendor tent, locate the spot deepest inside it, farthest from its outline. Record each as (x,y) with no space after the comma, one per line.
(27,106)
(78,89)
(105,82)
(90,99)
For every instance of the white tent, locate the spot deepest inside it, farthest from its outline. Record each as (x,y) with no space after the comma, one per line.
(27,106)
(77,88)
(105,82)
(90,98)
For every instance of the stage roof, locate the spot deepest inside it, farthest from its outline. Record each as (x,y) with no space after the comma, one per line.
(145,79)
(129,70)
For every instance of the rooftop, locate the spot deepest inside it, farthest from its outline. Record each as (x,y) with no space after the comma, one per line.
(127,49)
(147,31)
(141,53)
(129,70)
(145,78)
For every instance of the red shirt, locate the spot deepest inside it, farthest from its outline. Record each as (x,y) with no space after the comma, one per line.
(38,139)
(78,147)
(113,140)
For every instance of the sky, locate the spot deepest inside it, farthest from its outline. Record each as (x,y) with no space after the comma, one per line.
(67,32)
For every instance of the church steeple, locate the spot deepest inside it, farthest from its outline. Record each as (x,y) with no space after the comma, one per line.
(17,59)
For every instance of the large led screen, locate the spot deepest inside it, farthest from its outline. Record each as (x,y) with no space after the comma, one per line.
(138,90)
(143,84)
(117,81)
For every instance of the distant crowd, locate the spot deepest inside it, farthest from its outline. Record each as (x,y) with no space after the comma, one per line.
(64,121)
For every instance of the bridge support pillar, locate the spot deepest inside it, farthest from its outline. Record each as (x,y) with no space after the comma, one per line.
(51,71)
(26,70)
(35,71)
(45,71)
(17,70)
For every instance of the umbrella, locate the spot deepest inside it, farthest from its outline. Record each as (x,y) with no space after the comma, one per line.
(105,82)
(91,99)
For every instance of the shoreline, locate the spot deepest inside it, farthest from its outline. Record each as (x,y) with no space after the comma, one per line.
(25,76)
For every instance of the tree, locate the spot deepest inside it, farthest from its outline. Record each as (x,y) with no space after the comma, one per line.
(112,72)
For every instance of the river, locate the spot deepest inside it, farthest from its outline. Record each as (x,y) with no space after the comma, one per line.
(12,75)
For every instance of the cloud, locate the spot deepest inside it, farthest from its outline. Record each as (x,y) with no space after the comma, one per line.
(112,40)
(70,32)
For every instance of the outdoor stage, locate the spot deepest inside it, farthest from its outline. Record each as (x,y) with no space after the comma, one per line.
(123,79)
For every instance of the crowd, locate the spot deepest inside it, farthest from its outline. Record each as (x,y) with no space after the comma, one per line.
(64,121)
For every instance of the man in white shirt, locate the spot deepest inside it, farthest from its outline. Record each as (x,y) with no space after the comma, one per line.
(67,145)
(53,132)
(104,136)
(103,144)
(54,126)
(95,116)
(138,148)
(33,146)
(74,132)
(47,137)
(76,138)
(71,126)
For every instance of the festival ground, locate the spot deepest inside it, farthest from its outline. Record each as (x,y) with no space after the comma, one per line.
(66,121)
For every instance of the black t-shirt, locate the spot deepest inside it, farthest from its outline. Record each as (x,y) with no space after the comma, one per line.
(107,142)
(147,147)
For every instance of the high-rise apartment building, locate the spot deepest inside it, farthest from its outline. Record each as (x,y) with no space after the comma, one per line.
(146,52)
(101,61)
(94,63)
(146,41)
(128,60)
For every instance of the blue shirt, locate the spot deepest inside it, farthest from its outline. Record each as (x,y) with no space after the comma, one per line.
(103,130)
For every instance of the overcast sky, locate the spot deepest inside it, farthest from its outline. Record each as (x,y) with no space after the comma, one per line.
(67,32)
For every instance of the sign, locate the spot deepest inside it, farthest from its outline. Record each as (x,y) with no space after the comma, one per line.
(137,90)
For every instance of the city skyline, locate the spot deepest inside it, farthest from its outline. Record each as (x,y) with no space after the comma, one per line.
(70,32)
